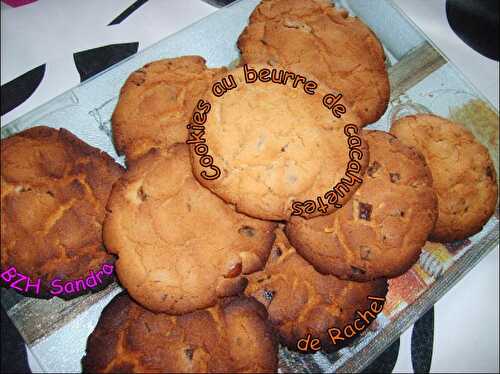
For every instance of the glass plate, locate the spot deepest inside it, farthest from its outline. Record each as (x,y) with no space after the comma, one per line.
(422,80)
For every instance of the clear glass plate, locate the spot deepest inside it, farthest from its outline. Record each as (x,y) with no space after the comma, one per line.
(422,80)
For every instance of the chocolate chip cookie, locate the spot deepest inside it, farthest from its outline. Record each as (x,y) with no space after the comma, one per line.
(233,336)
(301,301)
(156,102)
(179,246)
(382,229)
(316,37)
(54,191)
(464,175)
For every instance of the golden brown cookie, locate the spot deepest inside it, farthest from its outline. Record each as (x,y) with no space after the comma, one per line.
(233,336)
(156,103)
(54,191)
(301,301)
(179,246)
(266,147)
(464,176)
(316,37)
(381,231)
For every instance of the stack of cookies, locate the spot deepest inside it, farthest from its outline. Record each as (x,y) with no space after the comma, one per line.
(277,221)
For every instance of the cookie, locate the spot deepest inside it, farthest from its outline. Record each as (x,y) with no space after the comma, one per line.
(156,102)
(179,246)
(301,301)
(266,146)
(54,191)
(316,37)
(233,336)
(381,231)
(464,175)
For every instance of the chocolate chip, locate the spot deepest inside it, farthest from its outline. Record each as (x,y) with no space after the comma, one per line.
(247,231)
(141,194)
(372,169)
(365,211)
(268,295)
(189,353)
(394,177)
(283,149)
(364,252)
(277,251)
(357,271)
(234,271)
(489,172)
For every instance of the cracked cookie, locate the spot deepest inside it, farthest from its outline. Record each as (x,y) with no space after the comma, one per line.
(301,301)
(233,336)
(274,145)
(381,231)
(179,246)
(54,188)
(314,36)
(464,175)
(156,102)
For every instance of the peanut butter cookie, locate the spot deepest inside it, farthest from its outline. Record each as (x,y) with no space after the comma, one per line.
(179,246)
(464,175)
(264,146)
(54,191)
(316,37)
(156,103)
(382,229)
(234,336)
(301,301)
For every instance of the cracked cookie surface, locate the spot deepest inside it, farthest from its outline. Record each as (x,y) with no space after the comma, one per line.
(179,246)
(301,301)
(233,336)
(54,191)
(381,231)
(464,175)
(274,144)
(314,36)
(156,103)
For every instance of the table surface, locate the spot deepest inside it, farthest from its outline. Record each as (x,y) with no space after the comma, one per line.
(466,331)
